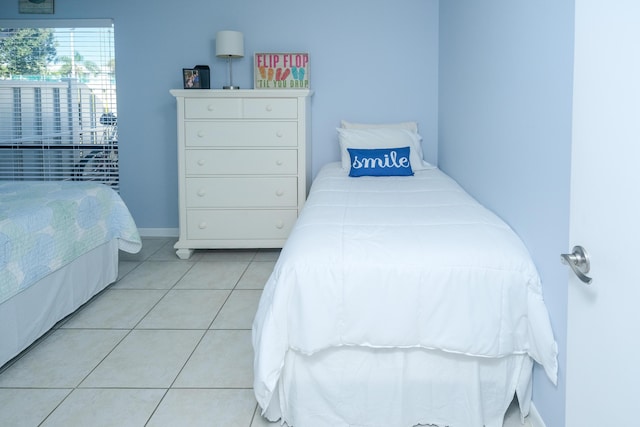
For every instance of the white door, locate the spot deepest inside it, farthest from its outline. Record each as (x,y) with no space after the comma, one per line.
(603,337)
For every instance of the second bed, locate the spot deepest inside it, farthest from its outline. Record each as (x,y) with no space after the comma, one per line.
(399,301)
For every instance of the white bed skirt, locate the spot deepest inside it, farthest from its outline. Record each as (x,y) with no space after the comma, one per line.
(29,314)
(359,386)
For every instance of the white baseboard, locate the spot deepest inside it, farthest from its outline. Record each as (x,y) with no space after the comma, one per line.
(534,417)
(159,232)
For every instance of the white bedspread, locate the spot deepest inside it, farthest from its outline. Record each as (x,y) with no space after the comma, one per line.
(399,262)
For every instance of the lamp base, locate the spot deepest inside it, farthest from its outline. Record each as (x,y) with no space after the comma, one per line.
(231,87)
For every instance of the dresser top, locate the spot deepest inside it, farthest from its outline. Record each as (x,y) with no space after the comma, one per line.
(240,93)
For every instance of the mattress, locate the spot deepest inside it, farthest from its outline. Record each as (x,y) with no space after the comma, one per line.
(399,263)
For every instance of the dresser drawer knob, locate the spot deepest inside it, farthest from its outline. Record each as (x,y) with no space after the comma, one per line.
(269,108)
(202,225)
(279,162)
(210,107)
(279,134)
(200,133)
(201,162)
(280,225)
(279,193)
(201,193)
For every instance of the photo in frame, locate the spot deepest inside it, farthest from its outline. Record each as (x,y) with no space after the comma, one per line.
(281,71)
(197,77)
(35,6)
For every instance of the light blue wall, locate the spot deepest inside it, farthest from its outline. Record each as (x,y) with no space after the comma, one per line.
(505,93)
(504,76)
(369,61)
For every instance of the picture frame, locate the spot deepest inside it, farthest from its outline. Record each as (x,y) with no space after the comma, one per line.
(281,70)
(36,6)
(197,77)
(190,78)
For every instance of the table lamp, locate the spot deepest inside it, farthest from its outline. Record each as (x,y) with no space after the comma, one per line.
(229,44)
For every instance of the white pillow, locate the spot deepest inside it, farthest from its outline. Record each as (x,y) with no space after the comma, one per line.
(381,138)
(412,126)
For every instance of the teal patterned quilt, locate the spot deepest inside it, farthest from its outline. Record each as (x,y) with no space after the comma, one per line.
(46,225)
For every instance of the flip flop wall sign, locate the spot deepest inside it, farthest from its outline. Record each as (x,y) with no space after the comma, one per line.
(281,71)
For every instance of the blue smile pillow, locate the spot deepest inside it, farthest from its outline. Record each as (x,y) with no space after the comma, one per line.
(380,162)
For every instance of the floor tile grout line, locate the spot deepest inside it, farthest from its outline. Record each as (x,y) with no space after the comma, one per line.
(219,310)
(138,264)
(228,296)
(57,406)
(164,295)
(253,415)
(78,385)
(155,409)
(243,273)
(193,350)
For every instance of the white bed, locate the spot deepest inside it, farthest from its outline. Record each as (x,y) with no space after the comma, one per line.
(59,244)
(399,301)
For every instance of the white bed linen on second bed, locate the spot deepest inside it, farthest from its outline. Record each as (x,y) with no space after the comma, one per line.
(389,387)
(399,262)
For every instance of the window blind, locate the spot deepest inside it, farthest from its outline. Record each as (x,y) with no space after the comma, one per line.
(58,109)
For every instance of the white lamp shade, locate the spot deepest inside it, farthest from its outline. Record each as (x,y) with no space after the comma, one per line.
(229,44)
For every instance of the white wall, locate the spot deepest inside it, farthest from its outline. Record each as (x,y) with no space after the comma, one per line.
(505,134)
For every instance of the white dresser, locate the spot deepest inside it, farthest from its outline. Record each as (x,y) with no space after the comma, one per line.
(244,164)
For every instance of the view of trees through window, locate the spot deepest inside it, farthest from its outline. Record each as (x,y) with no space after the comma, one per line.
(26,51)
(58,109)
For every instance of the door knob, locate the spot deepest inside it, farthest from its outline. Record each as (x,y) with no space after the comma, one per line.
(578,260)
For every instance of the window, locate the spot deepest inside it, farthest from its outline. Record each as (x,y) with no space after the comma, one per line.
(58,110)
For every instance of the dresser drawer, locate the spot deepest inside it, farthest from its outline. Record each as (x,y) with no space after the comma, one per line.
(270,108)
(239,224)
(212,108)
(242,192)
(241,162)
(241,134)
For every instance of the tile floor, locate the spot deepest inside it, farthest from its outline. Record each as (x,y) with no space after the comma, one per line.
(168,344)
